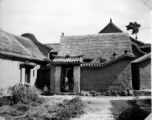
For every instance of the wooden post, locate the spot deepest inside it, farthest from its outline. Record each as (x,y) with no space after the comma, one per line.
(76,72)
(52,79)
(57,79)
(22,75)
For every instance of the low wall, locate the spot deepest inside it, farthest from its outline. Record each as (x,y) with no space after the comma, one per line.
(116,76)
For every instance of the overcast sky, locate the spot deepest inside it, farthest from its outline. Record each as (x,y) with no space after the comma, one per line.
(47,19)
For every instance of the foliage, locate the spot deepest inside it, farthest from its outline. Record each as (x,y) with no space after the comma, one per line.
(62,111)
(5,100)
(133,113)
(134,27)
(25,94)
(70,109)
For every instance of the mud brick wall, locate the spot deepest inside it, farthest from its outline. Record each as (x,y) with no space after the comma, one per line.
(145,74)
(116,76)
(11,74)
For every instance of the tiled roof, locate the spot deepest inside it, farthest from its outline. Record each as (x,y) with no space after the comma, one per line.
(98,65)
(137,42)
(138,48)
(20,47)
(55,46)
(67,60)
(145,46)
(95,46)
(142,58)
(111,28)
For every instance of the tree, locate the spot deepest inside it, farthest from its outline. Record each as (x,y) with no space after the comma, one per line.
(134,27)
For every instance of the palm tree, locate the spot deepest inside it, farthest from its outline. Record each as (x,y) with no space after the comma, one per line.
(134,27)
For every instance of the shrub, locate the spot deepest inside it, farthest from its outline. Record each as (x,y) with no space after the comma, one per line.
(5,100)
(25,94)
(69,109)
(133,113)
(61,111)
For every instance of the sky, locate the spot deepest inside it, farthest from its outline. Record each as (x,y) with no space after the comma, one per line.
(47,19)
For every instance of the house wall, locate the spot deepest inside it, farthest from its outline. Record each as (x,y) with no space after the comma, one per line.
(116,76)
(145,74)
(11,74)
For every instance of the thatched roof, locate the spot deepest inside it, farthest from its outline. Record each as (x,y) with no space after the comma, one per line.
(12,45)
(33,38)
(54,46)
(142,58)
(111,28)
(96,46)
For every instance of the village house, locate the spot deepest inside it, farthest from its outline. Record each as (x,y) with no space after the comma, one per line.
(21,60)
(103,61)
(109,60)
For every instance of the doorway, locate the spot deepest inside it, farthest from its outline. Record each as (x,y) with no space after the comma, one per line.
(67,79)
(27,75)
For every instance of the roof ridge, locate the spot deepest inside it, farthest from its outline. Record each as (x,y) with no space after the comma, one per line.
(113,28)
(35,40)
(136,40)
(138,48)
(51,43)
(96,34)
(107,62)
(142,58)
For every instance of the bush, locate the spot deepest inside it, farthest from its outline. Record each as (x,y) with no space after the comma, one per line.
(61,111)
(133,113)
(69,109)
(25,94)
(5,100)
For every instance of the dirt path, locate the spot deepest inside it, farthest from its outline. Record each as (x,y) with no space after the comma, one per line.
(98,108)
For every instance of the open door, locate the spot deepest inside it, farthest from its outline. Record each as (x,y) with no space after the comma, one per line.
(67,79)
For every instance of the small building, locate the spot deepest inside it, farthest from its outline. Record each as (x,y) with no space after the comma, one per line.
(20,61)
(141,73)
(94,62)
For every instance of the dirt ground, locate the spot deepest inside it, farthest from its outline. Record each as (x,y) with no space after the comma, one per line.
(100,108)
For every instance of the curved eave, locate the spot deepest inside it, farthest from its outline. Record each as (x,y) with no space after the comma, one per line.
(142,58)
(78,56)
(139,50)
(99,65)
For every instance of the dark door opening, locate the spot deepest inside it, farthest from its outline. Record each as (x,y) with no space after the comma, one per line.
(67,79)
(27,75)
(135,76)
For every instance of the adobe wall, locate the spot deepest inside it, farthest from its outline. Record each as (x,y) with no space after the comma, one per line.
(11,74)
(116,76)
(145,74)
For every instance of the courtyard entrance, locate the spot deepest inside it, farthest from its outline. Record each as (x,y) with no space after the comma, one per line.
(67,79)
